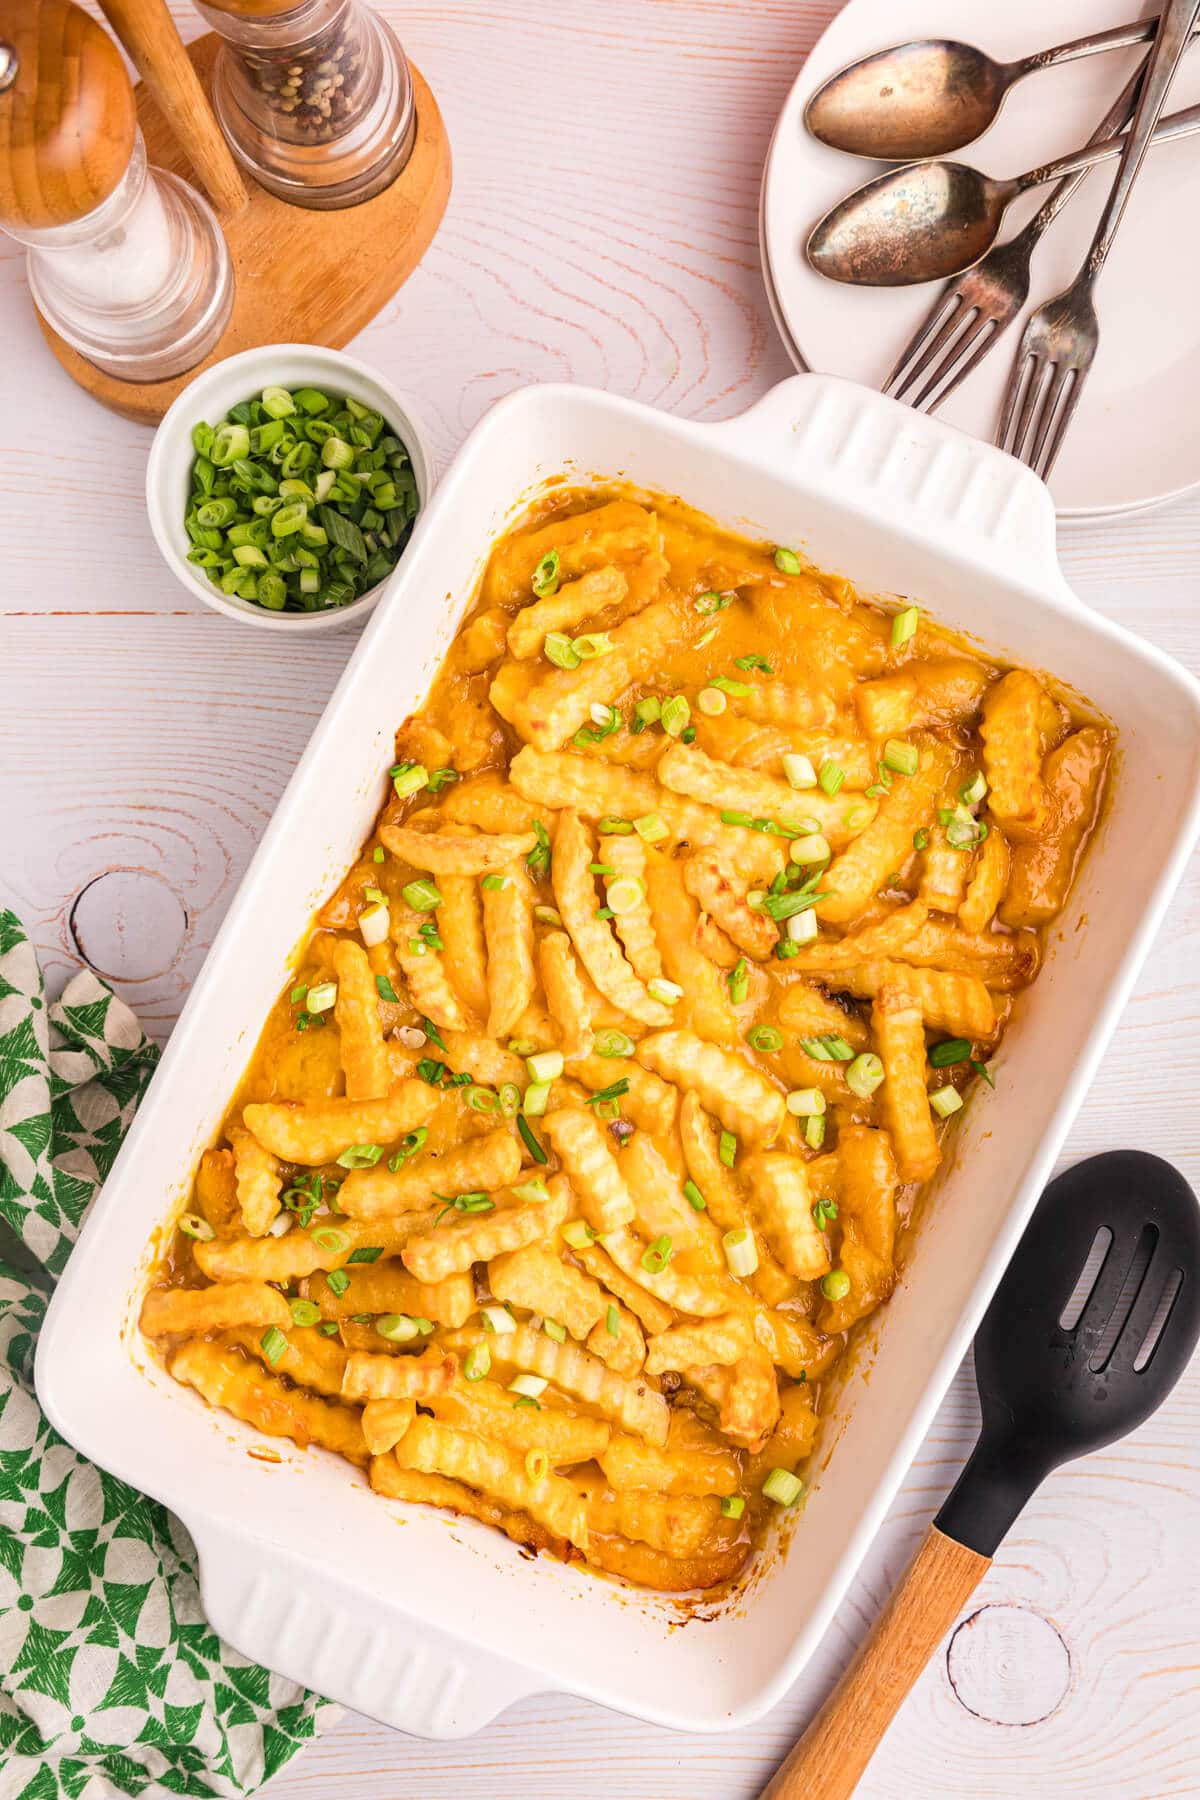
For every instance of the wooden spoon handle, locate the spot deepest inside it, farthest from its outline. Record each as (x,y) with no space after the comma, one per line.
(830,1758)
(147,31)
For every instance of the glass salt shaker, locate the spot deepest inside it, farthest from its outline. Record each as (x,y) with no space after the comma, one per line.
(126,263)
(315,98)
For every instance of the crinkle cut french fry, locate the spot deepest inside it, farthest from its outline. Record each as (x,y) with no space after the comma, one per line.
(488,803)
(310,1360)
(368,1377)
(508,932)
(654,1315)
(723,1200)
(899,1030)
(566,995)
(720,1340)
(650,1103)
(485,1061)
(686,769)
(883,937)
(485,1407)
(704,1296)
(790,1442)
(1042,871)
(317,1131)
(436,1449)
(389,1479)
(793,1344)
(809,1012)
(298,1253)
(384,1423)
(172,1311)
(575,895)
(618,532)
(737,1094)
(463,1239)
(781,703)
(986,888)
(582,1147)
(705,1006)
(750,1405)
(425,976)
(853,878)
(677,1524)
(633,924)
(216,1191)
(387,1287)
(958,1004)
(460,927)
(1000,962)
(539,1280)
(663,1209)
(561,780)
(479,1164)
(783,1207)
(224,1378)
(867,1182)
(560,703)
(649,1568)
(926,694)
(356,1010)
(709,884)
(566,610)
(1011,730)
(623,1350)
(456,853)
(256,1172)
(635,1404)
(679,1469)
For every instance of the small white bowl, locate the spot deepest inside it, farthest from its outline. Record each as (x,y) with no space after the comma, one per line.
(209,397)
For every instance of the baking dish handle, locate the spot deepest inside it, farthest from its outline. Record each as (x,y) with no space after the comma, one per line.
(308,1625)
(930,480)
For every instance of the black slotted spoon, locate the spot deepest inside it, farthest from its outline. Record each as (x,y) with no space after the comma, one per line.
(1093,1323)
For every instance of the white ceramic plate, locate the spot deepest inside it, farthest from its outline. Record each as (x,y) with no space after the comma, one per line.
(1136,437)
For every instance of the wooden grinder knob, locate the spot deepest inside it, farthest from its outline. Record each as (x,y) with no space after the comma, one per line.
(67,119)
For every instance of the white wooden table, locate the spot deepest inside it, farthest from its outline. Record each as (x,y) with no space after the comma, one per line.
(602,230)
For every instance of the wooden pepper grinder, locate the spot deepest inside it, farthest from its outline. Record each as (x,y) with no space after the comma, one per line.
(126,262)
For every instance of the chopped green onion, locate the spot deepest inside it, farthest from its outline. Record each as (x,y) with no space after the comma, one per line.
(546,1066)
(329,1328)
(921,839)
(322,996)
(858,818)
(535,1100)
(373,925)
(828,1047)
(548,915)
(421,895)
(732,1506)
(482,1100)
(554,1330)
(974,790)
(578,1234)
(509,1098)
(785,906)
(712,602)
(592,644)
(766,1038)
(963,831)
(783,1487)
(625,895)
(360,1156)
(983,1070)
(823,1212)
(273,1344)
(385,990)
(398,1328)
(611,827)
(814,1130)
(531,1386)
(529,1139)
(477,1362)
(712,702)
(647,712)
(904,624)
(727,1149)
(799,771)
(675,714)
(611,1042)
(694,1197)
(298,993)
(830,777)
(657,1255)
(802,929)
(811,849)
(903,758)
(651,828)
(835,1285)
(440,778)
(409,778)
(497,1319)
(545,576)
(864,1075)
(194,1226)
(304,1312)
(730,816)
(803,1103)
(521,1046)
(558,649)
(538,860)
(741,1251)
(366,1253)
(494,884)
(727,685)
(944,1101)
(337,1280)
(536,1463)
(787,562)
(330,1239)
(667,993)
(738,981)
(612,1322)
(408,1147)
(753,662)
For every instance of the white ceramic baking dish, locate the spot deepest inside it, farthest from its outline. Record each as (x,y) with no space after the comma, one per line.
(436,1624)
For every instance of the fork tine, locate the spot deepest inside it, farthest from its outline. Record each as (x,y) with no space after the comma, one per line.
(938,345)
(1012,395)
(1040,371)
(941,313)
(1055,390)
(1065,414)
(970,348)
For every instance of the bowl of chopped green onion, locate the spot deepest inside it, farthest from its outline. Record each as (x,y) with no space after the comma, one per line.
(283,486)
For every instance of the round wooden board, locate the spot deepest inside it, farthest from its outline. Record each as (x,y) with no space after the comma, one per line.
(302,276)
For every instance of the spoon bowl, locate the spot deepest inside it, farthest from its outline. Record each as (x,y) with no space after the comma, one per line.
(926,98)
(924,222)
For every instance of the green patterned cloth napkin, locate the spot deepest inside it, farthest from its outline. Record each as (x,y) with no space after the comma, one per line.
(111,1682)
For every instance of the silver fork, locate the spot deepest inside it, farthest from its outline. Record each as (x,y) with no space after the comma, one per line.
(1060,340)
(973,309)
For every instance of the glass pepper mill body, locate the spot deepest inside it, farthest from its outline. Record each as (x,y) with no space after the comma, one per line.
(316,98)
(127,263)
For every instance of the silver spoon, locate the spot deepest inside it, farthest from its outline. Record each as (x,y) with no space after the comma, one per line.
(933,96)
(930,220)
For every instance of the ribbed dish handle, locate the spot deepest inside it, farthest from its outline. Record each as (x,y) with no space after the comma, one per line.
(304,1623)
(934,483)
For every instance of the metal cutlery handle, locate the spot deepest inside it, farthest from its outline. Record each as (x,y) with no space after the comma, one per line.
(1176,125)
(1114,121)
(1118,37)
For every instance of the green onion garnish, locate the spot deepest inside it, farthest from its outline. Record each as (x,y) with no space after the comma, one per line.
(949,1052)
(578,1234)
(727,1149)
(494,884)
(782,1486)
(329,1328)
(787,562)
(904,624)
(657,1255)
(408,778)
(612,827)
(944,1101)
(337,1280)
(545,576)
(360,1156)
(921,839)
(737,690)
(753,662)
(767,1038)
(693,1196)
(823,1212)
(554,1330)
(864,1075)
(814,1130)
(675,714)
(828,1047)
(194,1226)
(385,990)
(538,860)
(741,1251)
(477,1362)
(273,1344)
(398,1328)
(732,1506)
(903,758)
(738,981)
(366,1253)
(530,1141)
(422,896)
(712,602)
(830,777)
(408,1147)
(612,1322)
(611,1042)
